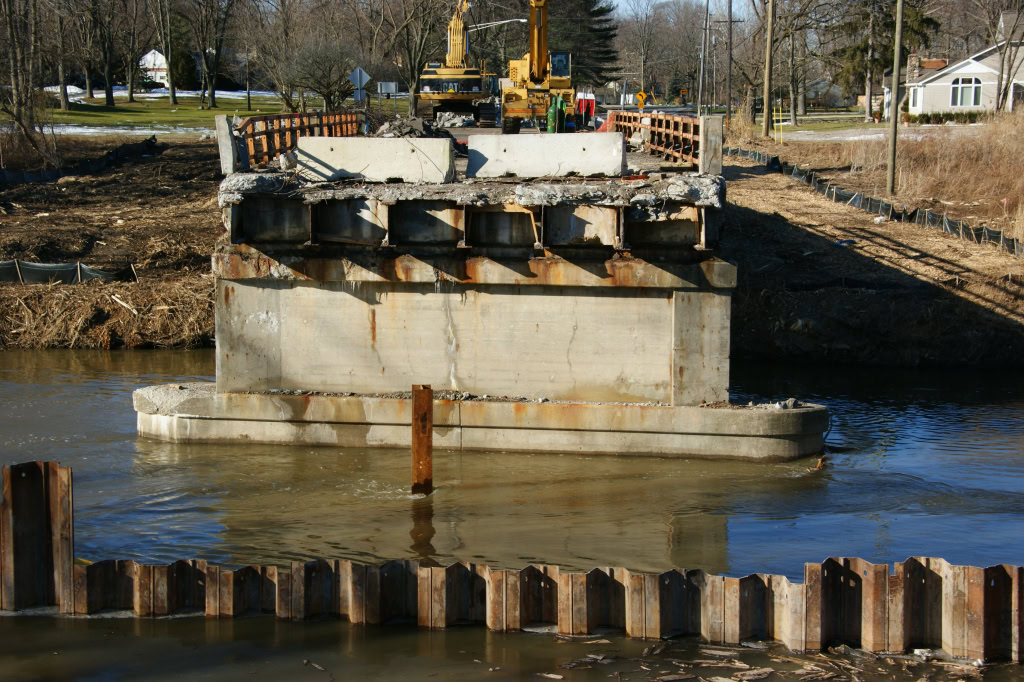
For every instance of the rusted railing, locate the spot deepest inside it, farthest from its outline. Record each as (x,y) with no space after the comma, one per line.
(675,138)
(267,137)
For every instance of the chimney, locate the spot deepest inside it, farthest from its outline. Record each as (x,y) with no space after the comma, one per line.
(913,67)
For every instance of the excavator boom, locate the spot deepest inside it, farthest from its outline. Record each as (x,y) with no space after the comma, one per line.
(538,40)
(456,57)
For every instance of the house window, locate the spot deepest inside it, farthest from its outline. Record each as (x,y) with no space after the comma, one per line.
(913,98)
(965,92)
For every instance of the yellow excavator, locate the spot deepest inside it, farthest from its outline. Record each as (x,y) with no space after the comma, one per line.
(452,86)
(539,81)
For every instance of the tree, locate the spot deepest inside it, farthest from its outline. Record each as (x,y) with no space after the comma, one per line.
(587,29)
(20,51)
(208,23)
(643,18)
(1004,25)
(869,30)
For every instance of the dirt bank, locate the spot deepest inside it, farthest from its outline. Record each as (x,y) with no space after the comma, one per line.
(158,213)
(889,294)
(898,295)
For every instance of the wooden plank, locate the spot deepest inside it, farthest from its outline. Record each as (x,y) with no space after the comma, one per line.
(64,525)
(143,590)
(599,598)
(197,584)
(813,626)
(513,601)
(636,622)
(343,581)
(580,603)
(80,590)
(371,596)
(284,594)
(713,609)
(424,596)
(896,633)
(496,600)
(974,612)
(357,593)
(565,611)
(300,604)
(161,603)
(438,597)
(731,610)
(212,591)
(123,575)
(27,558)
(268,589)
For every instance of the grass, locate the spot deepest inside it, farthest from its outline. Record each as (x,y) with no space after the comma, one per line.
(186,114)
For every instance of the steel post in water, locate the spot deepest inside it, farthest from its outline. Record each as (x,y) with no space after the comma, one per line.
(422,439)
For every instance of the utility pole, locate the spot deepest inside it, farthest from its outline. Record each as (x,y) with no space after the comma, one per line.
(894,100)
(768,39)
(703,56)
(728,76)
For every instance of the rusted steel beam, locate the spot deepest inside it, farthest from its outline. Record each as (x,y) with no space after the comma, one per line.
(422,440)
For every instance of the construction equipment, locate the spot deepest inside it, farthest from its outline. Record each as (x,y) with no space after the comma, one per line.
(539,80)
(453,86)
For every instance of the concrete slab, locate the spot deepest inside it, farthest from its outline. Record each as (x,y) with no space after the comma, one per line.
(197,413)
(535,156)
(376,159)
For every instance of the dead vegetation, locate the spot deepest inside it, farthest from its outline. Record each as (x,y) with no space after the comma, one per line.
(159,214)
(971,173)
(160,314)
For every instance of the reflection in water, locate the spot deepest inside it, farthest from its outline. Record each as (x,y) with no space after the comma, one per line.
(423,530)
(922,463)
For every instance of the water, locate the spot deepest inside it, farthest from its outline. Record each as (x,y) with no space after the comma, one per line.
(921,463)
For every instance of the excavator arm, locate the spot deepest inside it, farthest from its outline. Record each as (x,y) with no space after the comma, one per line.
(456,57)
(538,40)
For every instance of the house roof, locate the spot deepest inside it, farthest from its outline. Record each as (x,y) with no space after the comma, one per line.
(957,65)
(1009,21)
(923,73)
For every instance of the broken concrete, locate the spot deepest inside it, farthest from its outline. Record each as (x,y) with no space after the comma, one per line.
(376,159)
(538,156)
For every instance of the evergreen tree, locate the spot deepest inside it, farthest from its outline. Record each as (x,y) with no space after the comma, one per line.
(870,29)
(587,29)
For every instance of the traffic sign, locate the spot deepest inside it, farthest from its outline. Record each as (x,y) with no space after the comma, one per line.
(684,91)
(640,97)
(359,77)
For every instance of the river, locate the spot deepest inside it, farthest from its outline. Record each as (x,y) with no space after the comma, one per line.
(920,462)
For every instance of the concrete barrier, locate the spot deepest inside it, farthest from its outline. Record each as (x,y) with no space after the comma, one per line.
(536,156)
(377,159)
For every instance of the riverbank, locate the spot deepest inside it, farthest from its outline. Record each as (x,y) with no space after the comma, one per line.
(159,214)
(818,281)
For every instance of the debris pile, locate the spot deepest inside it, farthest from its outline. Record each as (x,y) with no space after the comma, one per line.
(451,119)
(410,127)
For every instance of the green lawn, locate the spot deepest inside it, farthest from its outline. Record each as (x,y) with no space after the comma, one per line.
(186,114)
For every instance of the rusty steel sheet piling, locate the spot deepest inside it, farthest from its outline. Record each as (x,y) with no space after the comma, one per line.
(422,440)
(970,613)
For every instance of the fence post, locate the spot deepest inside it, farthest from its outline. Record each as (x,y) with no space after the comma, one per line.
(226,145)
(422,440)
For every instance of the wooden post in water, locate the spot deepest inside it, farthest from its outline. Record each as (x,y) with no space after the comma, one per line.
(422,440)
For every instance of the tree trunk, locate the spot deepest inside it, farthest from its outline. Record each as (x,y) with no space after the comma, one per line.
(131,83)
(792,79)
(801,94)
(211,78)
(867,70)
(108,77)
(88,80)
(62,76)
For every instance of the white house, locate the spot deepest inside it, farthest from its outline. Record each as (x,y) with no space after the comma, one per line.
(154,66)
(969,84)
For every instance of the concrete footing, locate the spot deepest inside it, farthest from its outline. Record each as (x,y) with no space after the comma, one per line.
(197,413)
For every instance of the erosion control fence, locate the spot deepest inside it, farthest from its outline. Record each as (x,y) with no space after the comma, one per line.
(969,612)
(23,272)
(130,150)
(885,209)
(686,139)
(261,139)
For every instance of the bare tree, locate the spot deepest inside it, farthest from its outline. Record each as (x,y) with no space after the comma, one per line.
(160,12)
(641,28)
(21,53)
(1004,24)
(208,23)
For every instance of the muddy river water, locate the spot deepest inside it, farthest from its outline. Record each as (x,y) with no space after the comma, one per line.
(920,463)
